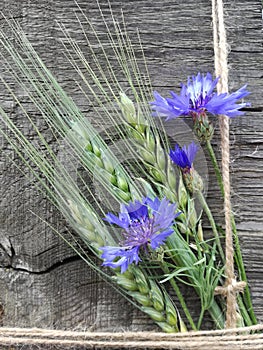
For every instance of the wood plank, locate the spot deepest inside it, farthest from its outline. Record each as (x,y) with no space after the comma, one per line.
(42,282)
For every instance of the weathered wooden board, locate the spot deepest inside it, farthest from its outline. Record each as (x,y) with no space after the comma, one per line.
(42,282)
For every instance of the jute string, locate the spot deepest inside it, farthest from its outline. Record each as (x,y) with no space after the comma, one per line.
(205,340)
(221,69)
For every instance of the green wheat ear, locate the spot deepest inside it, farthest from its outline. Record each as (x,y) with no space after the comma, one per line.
(89,151)
(155,301)
(149,149)
(87,225)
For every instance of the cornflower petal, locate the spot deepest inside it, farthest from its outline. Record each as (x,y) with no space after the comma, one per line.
(179,157)
(180,104)
(137,210)
(208,85)
(153,204)
(226,104)
(164,215)
(126,255)
(110,253)
(197,97)
(191,151)
(145,223)
(158,239)
(164,108)
(184,157)
(121,221)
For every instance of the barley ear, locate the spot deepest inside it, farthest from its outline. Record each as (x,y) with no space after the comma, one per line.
(155,302)
(149,148)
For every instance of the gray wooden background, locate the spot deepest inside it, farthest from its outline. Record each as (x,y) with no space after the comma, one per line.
(42,281)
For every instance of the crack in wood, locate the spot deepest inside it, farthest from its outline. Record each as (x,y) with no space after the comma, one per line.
(252,109)
(56,265)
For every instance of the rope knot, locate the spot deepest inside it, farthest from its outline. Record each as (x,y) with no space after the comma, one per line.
(230,287)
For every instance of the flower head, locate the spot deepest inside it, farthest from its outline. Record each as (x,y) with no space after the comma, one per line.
(145,223)
(184,157)
(198,97)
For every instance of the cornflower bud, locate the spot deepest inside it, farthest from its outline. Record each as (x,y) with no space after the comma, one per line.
(193,181)
(184,157)
(202,127)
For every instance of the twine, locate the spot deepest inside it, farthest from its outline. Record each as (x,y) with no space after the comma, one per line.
(239,338)
(232,287)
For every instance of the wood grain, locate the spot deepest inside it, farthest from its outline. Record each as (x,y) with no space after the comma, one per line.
(42,282)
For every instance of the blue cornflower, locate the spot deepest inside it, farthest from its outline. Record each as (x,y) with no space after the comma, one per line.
(184,157)
(145,223)
(198,97)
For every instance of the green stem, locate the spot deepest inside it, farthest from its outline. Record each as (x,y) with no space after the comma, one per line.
(237,254)
(188,260)
(216,167)
(212,223)
(217,315)
(201,316)
(180,298)
(248,307)
(244,312)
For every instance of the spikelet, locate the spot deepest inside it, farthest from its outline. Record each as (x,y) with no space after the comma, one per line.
(155,302)
(159,165)
(95,157)
(149,148)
